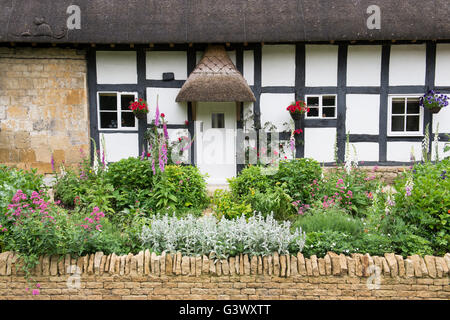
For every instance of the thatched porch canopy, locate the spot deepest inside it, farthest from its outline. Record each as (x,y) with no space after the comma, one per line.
(215,79)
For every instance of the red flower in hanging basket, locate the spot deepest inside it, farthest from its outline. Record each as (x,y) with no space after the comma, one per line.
(139,107)
(298,131)
(298,107)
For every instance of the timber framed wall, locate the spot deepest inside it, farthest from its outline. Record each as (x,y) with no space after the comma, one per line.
(253,62)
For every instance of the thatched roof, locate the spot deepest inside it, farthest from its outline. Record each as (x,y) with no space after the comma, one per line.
(219,21)
(215,78)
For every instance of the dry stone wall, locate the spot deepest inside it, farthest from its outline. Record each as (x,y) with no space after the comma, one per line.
(173,276)
(386,173)
(43,107)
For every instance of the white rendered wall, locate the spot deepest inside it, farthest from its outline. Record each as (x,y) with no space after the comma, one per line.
(401,151)
(120,146)
(364,66)
(278,65)
(443,64)
(443,118)
(116,67)
(273,108)
(362,113)
(407,65)
(249,65)
(365,151)
(176,113)
(158,62)
(321,65)
(319,143)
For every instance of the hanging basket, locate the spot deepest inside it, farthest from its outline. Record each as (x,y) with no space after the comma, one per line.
(435,109)
(296,115)
(140,115)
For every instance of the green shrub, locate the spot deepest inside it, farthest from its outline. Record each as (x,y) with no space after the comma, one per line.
(329,219)
(67,188)
(319,243)
(423,200)
(130,174)
(12,179)
(85,191)
(250,178)
(298,174)
(178,187)
(226,205)
(274,200)
(409,244)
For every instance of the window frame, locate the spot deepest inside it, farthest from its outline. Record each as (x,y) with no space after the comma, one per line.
(320,96)
(404,133)
(118,111)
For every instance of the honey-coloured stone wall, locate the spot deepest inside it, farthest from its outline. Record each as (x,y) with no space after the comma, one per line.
(43,107)
(173,276)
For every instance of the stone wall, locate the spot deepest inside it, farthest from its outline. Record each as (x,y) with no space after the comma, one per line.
(43,107)
(386,173)
(173,276)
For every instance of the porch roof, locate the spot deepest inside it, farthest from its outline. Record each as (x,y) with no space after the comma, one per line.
(215,79)
(218,21)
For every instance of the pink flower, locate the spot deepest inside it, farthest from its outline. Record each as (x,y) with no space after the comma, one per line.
(35,292)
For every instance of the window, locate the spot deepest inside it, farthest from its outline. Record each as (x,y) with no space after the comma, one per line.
(321,106)
(218,121)
(113,111)
(405,116)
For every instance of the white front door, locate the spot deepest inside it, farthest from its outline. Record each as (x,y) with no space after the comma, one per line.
(216,140)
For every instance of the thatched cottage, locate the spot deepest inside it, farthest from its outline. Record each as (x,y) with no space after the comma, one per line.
(70,68)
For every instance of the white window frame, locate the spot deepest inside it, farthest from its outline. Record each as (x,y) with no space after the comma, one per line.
(404,133)
(320,96)
(118,111)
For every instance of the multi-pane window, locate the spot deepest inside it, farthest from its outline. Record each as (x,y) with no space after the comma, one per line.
(405,116)
(321,106)
(113,110)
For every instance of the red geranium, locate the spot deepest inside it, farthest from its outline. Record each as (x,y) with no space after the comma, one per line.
(298,131)
(140,106)
(298,107)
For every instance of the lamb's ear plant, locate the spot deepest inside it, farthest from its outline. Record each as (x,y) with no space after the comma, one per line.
(201,236)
